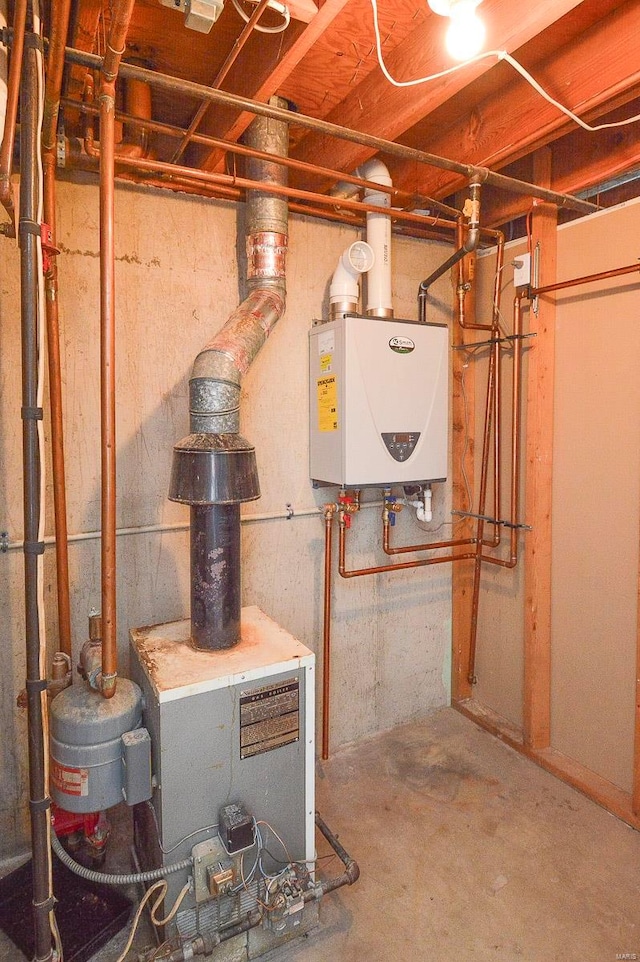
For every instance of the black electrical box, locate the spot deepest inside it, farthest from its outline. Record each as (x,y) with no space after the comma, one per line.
(236,828)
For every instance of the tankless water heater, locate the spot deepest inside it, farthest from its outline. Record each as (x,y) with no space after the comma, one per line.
(378,401)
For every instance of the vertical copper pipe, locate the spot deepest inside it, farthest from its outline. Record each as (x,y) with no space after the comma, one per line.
(480,523)
(107,103)
(13,95)
(516,431)
(55,397)
(108,387)
(60,11)
(326,634)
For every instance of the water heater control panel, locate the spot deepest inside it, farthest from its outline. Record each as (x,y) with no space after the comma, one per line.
(378,400)
(401,446)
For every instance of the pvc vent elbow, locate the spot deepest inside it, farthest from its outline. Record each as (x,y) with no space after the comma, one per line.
(344,291)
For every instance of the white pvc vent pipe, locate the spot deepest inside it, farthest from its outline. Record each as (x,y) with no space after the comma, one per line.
(379,302)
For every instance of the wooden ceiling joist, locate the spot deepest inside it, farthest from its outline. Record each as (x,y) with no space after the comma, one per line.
(376,105)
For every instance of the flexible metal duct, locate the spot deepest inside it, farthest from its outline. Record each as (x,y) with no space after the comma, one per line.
(214,468)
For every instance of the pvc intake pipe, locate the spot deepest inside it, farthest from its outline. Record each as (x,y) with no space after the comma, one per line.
(379,302)
(344,289)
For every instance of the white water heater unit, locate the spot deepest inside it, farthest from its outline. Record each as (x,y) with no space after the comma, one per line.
(378,401)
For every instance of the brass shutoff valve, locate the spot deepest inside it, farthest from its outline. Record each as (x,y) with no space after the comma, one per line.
(348,506)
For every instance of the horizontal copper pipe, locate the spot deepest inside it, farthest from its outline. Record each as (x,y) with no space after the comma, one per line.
(588,279)
(208,177)
(377,144)
(428,546)
(380,569)
(402,197)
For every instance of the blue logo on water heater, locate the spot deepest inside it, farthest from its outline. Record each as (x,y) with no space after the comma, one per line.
(402,345)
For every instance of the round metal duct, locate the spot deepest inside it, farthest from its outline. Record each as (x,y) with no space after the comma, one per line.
(214,469)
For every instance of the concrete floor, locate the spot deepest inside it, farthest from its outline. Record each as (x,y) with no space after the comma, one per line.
(467,852)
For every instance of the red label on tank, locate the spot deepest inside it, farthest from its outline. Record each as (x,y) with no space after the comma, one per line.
(70,781)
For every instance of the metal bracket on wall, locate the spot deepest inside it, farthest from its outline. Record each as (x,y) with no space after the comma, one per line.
(484,517)
(507,339)
(4,541)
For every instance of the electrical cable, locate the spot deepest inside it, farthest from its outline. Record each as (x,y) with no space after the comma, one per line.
(105,878)
(498,55)
(167,851)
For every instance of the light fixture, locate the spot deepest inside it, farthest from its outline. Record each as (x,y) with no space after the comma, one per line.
(465,34)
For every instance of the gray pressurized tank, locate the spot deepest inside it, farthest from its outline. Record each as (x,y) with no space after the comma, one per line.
(86,745)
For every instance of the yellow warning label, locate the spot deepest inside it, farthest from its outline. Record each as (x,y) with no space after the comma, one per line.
(325,363)
(327,403)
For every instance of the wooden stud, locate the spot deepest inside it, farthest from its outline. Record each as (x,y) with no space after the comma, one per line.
(598,789)
(539,462)
(462,454)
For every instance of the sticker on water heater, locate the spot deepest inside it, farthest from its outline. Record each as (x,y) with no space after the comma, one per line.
(326,342)
(70,781)
(325,363)
(402,345)
(327,388)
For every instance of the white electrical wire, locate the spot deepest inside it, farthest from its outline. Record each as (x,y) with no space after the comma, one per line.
(162,885)
(498,55)
(280,8)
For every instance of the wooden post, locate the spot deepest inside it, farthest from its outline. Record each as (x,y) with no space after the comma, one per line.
(539,472)
(462,451)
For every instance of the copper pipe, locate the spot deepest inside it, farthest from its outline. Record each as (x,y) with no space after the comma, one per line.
(512,561)
(326,632)
(220,76)
(590,278)
(230,146)
(55,399)
(208,177)
(201,92)
(379,569)
(107,102)
(13,96)
(463,285)
(484,470)
(429,546)
(60,12)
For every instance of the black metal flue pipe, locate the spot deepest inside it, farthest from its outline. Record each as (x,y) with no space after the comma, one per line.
(215,575)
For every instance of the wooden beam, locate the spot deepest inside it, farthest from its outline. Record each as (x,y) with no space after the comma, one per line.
(270,80)
(598,789)
(580,160)
(462,457)
(375,106)
(539,466)
(593,73)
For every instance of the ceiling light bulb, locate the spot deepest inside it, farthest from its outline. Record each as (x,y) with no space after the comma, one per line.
(466,32)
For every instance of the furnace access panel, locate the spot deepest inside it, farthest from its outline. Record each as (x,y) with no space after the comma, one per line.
(379,393)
